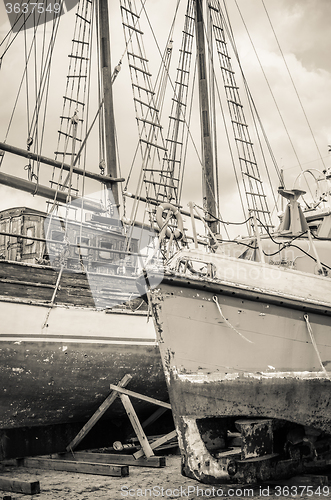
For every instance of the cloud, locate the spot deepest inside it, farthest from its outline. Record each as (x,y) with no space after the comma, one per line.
(303,26)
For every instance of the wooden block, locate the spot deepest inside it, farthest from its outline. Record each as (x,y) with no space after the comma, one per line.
(113,458)
(75,466)
(257,437)
(147,450)
(157,443)
(28,487)
(98,414)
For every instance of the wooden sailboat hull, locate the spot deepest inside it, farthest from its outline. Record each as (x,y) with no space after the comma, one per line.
(62,375)
(242,349)
(58,373)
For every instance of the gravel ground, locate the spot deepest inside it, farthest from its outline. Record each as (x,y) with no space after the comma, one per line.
(144,482)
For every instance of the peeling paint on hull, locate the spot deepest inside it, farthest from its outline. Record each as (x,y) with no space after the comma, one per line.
(305,401)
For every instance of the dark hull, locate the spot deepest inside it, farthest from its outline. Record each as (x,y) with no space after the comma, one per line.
(45,404)
(57,360)
(41,383)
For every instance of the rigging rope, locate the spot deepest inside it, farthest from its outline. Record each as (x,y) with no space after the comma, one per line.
(215,299)
(22,27)
(24,75)
(29,140)
(228,141)
(256,199)
(170,80)
(313,341)
(255,113)
(77,92)
(268,84)
(146,105)
(186,124)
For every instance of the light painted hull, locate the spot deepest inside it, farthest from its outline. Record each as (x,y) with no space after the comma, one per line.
(250,357)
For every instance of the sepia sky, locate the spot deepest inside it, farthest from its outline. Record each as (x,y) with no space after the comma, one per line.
(303,31)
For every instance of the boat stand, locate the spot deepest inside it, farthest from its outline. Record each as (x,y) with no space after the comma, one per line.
(249,459)
(111,464)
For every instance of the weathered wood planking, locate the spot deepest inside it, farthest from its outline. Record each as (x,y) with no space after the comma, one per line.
(256,278)
(76,288)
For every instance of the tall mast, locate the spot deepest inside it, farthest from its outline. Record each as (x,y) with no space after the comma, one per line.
(207,149)
(111,162)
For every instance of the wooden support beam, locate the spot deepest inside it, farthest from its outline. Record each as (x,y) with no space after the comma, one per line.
(112,458)
(140,396)
(98,414)
(27,487)
(152,418)
(137,426)
(74,466)
(157,443)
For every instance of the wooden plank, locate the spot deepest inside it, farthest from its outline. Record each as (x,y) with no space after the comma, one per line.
(152,418)
(140,396)
(137,426)
(98,414)
(28,487)
(74,466)
(158,442)
(228,453)
(112,458)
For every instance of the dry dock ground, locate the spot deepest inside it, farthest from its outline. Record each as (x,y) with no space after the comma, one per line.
(148,483)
